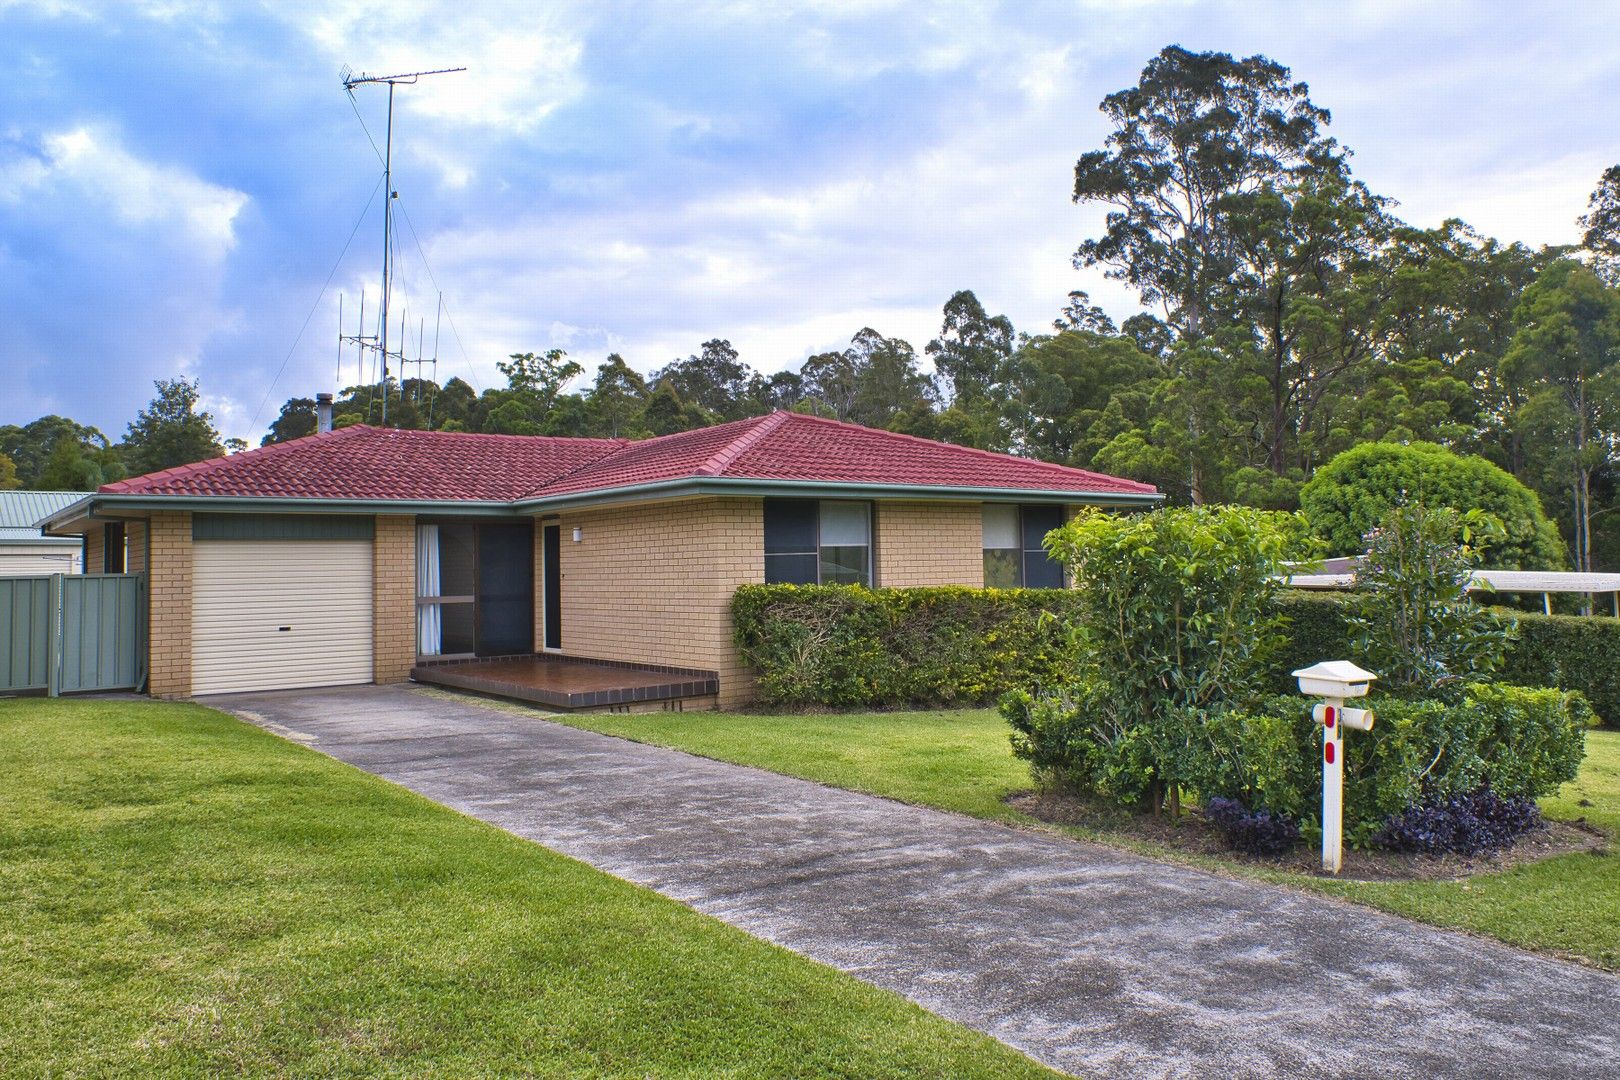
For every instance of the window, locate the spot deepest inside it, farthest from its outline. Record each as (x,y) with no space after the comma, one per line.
(444,590)
(809,542)
(113,553)
(1013,553)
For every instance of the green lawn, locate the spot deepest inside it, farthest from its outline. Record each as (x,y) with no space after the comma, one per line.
(960,760)
(182,894)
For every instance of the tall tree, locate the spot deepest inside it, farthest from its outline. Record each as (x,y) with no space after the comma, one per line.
(1197,131)
(1305,290)
(296,419)
(30,446)
(617,400)
(533,383)
(171,431)
(1600,226)
(715,380)
(1565,356)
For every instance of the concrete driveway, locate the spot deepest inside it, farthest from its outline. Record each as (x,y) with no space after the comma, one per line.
(1094,961)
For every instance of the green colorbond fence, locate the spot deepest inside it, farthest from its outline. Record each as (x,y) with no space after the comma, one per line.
(65,634)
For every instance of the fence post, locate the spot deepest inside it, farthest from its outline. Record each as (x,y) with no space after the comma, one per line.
(53,634)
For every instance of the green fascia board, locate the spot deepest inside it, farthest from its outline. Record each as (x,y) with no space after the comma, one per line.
(720,486)
(123,504)
(93,505)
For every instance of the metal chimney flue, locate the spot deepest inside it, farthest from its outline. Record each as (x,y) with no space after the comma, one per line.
(323,412)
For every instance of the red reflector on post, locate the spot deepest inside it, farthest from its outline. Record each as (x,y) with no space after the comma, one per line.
(1329,716)
(1327,752)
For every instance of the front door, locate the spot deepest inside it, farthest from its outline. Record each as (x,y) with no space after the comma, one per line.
(552,544)
(505,600)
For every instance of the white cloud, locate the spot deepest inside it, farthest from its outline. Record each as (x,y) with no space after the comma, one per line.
(89,166)
(521,66)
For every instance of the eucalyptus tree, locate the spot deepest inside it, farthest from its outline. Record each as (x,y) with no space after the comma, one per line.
(1197,132)
(1564,356)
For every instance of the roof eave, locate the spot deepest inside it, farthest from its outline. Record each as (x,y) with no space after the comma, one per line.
(687,487)
(113,503)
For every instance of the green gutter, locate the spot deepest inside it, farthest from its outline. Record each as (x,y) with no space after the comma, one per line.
(96,504)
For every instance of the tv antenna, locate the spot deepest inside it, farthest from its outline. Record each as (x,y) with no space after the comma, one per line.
(379,341)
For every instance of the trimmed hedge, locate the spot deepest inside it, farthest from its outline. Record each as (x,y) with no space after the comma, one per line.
(846,646)
(1568,652)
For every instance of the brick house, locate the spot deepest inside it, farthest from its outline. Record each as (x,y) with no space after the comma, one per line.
(372,555)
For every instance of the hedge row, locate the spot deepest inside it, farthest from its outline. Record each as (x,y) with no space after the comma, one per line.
(849,647)
(1569,652)
(842,646)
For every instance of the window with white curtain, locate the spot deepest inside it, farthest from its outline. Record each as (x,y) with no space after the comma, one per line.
(1014,547)
(809,542)
(444,590)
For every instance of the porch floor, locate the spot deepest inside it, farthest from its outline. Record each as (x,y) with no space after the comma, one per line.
(566,682)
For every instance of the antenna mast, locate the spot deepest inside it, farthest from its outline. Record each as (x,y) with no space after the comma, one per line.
(380,343)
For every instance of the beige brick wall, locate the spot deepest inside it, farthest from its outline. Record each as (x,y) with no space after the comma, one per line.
(169,590)
(393,582)
(929,543)
(652,583)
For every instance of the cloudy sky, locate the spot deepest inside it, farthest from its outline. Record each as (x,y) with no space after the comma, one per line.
(178,179)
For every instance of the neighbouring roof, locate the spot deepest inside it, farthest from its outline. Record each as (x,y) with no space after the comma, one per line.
(21,513)
(1529,581)
(363,463)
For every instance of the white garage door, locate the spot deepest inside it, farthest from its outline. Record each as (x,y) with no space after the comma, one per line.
(280,614)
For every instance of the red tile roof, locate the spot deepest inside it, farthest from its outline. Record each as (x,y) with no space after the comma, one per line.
(368,463)
(362,462)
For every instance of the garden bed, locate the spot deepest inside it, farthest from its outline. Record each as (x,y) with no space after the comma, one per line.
(1192,834)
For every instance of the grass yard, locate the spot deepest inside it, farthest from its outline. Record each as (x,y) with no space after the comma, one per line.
(960,760)
(184,895)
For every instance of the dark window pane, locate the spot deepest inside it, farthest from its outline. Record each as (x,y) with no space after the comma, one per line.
(456,561)
(790,526)
(844,566)
(790,569)
(112,553)
(1041,572)
(1038,521)
(457,629)
(1002,568)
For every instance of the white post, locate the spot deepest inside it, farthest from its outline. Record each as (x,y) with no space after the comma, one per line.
(1332,786)
(1333,681)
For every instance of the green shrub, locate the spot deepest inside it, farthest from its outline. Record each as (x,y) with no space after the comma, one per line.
(1566,652)
(1352,494)
(1073,741)
(1172,617)
(1518,741)
(846,646)
(1411,617)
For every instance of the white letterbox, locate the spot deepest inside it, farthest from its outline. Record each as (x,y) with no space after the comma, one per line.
(1335,680)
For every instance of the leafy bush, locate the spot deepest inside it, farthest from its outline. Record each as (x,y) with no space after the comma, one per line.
(1071,743)
(1567,652)
(1353,493)
(1172,616)
(1519,741)
(845,646)
(1464,824)
(1412,619)
(1258,832)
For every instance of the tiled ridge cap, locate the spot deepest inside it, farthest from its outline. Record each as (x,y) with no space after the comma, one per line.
(721,459)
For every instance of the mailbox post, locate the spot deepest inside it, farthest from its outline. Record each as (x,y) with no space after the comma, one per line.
(1334,681)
